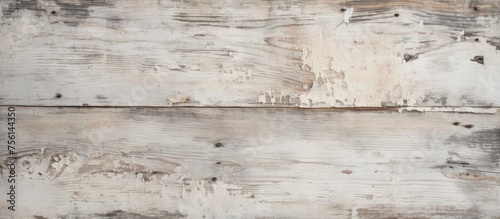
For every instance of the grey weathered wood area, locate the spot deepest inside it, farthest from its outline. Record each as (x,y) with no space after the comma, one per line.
(250,53)
(264,163)
(229,109)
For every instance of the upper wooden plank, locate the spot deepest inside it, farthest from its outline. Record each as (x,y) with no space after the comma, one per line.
(250,53)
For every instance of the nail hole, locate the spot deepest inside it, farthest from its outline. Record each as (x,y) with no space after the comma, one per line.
(408,57)
(53,12)
(58,95)
(219,162)
(214,179)
(476,9)
(468,126)
(343,9)
(396,15)
(466,174)
(477,40)
(456,123)
(478,59)
(218,145)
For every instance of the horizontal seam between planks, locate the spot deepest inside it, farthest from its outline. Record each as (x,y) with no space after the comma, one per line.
(456,109)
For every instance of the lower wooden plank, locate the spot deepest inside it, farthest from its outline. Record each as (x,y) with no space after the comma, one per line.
(251,163)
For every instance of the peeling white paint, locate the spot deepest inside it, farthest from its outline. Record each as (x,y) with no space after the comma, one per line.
(348,14)
(219,200)
(451,109)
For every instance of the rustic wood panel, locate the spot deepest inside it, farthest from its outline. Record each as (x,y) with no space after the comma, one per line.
(250,53)
(263,163)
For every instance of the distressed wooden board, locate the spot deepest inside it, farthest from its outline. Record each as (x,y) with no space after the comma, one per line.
(250,53)
(264,163)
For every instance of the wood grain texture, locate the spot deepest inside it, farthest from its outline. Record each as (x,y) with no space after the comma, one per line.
(250,53)
(254,163)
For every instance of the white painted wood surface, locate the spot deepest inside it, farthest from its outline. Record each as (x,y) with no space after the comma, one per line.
(250,53)
(254,163)
(188,109)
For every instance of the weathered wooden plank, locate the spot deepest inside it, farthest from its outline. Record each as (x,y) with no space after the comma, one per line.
(250,53)
(232,163)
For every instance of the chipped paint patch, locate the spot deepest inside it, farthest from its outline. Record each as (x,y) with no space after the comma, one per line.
(348,14)
(345,73)
(219,200)
(450,109)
